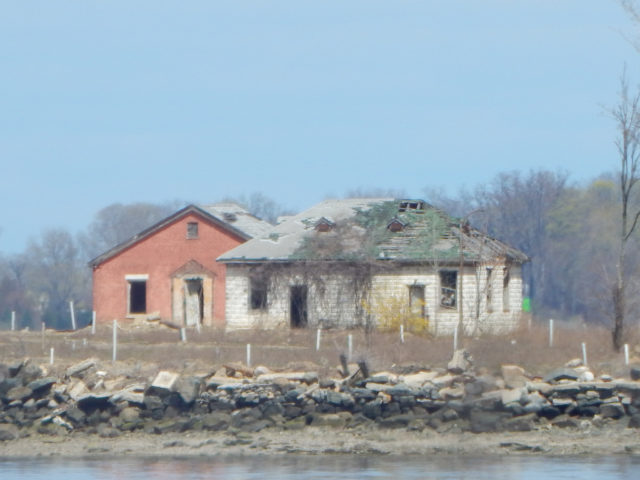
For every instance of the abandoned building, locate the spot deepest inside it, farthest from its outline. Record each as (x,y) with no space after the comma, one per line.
(377,263)
(169,271)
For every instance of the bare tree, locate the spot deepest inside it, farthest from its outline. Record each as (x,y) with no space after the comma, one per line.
(627,117)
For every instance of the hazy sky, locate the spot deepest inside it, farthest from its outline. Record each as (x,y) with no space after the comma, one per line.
(124,101)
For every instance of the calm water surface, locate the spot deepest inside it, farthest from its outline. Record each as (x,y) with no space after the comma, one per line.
(325,467)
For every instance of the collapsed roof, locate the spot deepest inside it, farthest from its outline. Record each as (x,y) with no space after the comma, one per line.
(373,229)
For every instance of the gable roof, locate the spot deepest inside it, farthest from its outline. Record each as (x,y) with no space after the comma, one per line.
(230,216)
(361,233)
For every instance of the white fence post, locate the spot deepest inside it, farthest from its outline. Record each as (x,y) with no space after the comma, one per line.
(584,353)
(248,354)
(93,323)
(402,333)
(115,341)
(51,356)
(73,315)
(626,354)
(13,320)
(551,332)
(455,338)
(183,335)
(318,337)
(350,346)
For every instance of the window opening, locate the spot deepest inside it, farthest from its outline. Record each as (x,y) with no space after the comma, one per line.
(298,305)
(258,294)
(192,230)
(506,298)
(137,296)
(448,287)
(489,291)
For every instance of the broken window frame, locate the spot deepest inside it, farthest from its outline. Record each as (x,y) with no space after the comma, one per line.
(448,289)
(192,230)
(258,294)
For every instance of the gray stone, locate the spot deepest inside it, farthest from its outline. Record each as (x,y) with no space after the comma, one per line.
(521,423)
(129,414)
(163,383)
(18,393)
(461,362)
(188,389)
(634,421)
(514,376)
(565,421)
(42,385)
(561,374)
(395,421)
(334,420)
(79,369)
(76,415)
(634,372)
(612,410)
(8,432)
(216,421)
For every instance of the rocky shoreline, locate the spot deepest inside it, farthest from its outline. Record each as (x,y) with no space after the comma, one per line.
(88,410)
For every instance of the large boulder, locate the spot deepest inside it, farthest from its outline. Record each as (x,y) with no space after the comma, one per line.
(514,376)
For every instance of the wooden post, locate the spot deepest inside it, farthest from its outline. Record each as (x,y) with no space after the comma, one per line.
(318,337)
(115,341)
(93,323)
(13,320)
(248,354)
(73,315)
(350,346)
(584,354)
(551,332)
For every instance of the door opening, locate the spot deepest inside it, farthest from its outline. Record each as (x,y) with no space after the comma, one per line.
(193,302)
(137,296)
(298,309)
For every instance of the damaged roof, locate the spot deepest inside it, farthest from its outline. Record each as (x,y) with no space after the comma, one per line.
(230,216)
(372,229)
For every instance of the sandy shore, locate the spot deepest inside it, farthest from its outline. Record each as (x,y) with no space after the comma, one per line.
(317,441)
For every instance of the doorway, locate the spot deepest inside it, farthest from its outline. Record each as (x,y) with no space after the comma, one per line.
(298,307)
(193,302)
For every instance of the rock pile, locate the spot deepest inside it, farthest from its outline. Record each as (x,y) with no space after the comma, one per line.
(88,399)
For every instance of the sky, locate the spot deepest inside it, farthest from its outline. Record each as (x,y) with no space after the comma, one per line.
(106,102)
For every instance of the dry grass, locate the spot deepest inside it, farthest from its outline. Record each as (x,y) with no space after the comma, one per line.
(295,349)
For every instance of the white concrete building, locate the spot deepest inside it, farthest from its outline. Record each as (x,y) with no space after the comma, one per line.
(374,263)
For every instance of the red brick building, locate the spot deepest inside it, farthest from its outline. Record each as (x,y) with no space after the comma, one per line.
(169,270)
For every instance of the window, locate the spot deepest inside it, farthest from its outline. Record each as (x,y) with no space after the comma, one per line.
(137,296)
(192,230)
(258,294)
(506,298)
(489,291)
(448,284)
(416,300)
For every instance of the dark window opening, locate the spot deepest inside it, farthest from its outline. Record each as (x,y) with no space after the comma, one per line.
(416,206)
(506,299)
(448,288)
(416,300)
(299,306)
(258,295)
(192,230)
(489,292)
(324,225)
(138,296)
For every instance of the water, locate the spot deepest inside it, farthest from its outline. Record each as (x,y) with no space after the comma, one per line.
(325,467)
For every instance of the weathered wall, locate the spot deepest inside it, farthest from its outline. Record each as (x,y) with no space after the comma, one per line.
(334,302)
(158,256)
